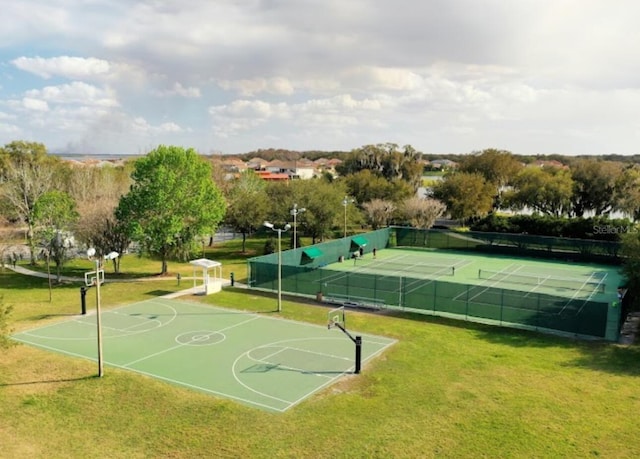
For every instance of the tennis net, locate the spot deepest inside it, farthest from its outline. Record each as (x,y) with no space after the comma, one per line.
(421,268)
(545,281)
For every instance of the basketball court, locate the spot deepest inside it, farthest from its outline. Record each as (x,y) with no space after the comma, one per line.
(255,359)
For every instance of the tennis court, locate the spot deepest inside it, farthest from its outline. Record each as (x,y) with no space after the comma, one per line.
(255,359)
(576,299)
(572,280)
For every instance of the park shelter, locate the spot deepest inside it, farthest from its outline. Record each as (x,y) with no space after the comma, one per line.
(212,283)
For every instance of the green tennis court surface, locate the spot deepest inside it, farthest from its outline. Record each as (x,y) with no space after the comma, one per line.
(255,359)
(553,277)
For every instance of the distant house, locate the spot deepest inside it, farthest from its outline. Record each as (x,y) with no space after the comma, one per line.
(233,165)
(327,165)
(442,164)
(272,176)
(257,164)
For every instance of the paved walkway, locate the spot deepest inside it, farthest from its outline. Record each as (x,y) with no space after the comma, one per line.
(189,291)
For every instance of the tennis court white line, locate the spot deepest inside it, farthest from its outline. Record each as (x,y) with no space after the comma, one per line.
(584,303)
(487,287)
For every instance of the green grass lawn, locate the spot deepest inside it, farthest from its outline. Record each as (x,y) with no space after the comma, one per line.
(446,389)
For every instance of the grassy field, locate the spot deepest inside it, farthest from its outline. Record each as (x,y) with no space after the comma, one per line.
(446,389)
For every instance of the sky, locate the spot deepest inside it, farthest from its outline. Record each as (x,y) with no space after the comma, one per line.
(232,76)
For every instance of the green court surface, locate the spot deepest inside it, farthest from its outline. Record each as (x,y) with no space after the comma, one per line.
(256,359)
(554,277)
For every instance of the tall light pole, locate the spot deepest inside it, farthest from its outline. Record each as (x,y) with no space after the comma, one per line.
(111,256)
(279,231)
(345,202)
(295,211)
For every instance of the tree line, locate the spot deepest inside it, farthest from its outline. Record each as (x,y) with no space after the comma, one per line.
(495,180)
(172,200)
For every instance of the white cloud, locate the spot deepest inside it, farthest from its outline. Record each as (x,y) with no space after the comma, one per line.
(178,90)
(247,88)
(141,125)
(453,75)
(9,129)
(65,66)
(37,105)
(75,93)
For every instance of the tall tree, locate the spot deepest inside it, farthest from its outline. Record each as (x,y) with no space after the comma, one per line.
(366,186)
(466,195)
(594,186)
(172,201)
(387,161)
(27,173)
(54,215)
(498,167)
(628,192)
(323,202)
(546,190)
(247,204)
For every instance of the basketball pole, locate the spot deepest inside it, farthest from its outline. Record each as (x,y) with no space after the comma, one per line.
(358,342)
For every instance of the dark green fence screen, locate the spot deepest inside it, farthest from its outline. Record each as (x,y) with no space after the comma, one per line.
(305,275)
(520,244)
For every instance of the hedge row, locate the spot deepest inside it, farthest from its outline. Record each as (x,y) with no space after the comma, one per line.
(599,228)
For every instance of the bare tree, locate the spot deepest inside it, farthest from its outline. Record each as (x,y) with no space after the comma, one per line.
(379,212)
(27,174)
(422,212)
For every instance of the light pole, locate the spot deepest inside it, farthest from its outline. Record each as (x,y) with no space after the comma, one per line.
(279,231)
(345,202)
(111,256)
(295,211)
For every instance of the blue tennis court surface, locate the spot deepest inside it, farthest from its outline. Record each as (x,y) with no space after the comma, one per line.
(256,359)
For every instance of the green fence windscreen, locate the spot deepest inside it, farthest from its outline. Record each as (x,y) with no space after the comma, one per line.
(499,306)
(520,244)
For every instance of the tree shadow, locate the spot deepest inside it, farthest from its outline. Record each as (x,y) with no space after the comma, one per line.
(596,355)
(49,381)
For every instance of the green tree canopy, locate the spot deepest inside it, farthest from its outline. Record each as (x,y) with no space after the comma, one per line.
(366,186)
(631,267)
(628,192)
(172,201)
(54,216)
(387,161)
(466,195)
(498,167)
(26,173)
(247,204)
(594,186)
(547,190)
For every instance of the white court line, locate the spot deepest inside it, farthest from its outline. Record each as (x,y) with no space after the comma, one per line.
(586,299)
(487,287)
(126,365)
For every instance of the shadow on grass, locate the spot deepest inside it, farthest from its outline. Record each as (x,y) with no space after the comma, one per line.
(159,292)
(596,355)
(49,381)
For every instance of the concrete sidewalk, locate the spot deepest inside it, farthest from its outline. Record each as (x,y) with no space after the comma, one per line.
(199,289)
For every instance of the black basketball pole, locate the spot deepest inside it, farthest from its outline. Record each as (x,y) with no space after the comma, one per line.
(358,341)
